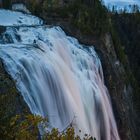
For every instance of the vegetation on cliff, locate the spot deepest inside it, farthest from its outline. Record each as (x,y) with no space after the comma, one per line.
(89,17)
(127,26)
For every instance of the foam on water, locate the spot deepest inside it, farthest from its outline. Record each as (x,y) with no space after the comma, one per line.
(10,18)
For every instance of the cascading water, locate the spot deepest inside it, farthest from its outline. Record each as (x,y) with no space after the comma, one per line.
(58,78)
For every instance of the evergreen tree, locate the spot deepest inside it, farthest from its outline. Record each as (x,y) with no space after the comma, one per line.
(6,4)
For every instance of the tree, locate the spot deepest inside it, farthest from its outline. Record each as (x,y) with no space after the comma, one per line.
(6,4)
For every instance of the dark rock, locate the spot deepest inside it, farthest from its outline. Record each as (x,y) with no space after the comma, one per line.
(11,102)
(2,29)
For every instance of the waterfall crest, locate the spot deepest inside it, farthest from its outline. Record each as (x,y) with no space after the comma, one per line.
(59,79)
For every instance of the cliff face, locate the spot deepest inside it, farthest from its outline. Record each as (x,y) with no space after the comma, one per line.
(120,90)
(11,103)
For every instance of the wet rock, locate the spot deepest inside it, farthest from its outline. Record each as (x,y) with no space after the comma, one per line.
(11,102)
(2,29)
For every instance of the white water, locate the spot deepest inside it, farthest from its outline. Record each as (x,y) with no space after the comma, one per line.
(8,18)
(59,79)
(20,7)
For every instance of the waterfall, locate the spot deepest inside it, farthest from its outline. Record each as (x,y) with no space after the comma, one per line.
(59,78)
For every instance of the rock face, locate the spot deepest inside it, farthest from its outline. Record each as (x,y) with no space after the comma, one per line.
(120,91)
(7,88)
(2,29)
(11,102)
(0,3)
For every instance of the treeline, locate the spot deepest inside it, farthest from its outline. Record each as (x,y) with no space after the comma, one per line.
(89,16)
(6,4)
(127,9)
